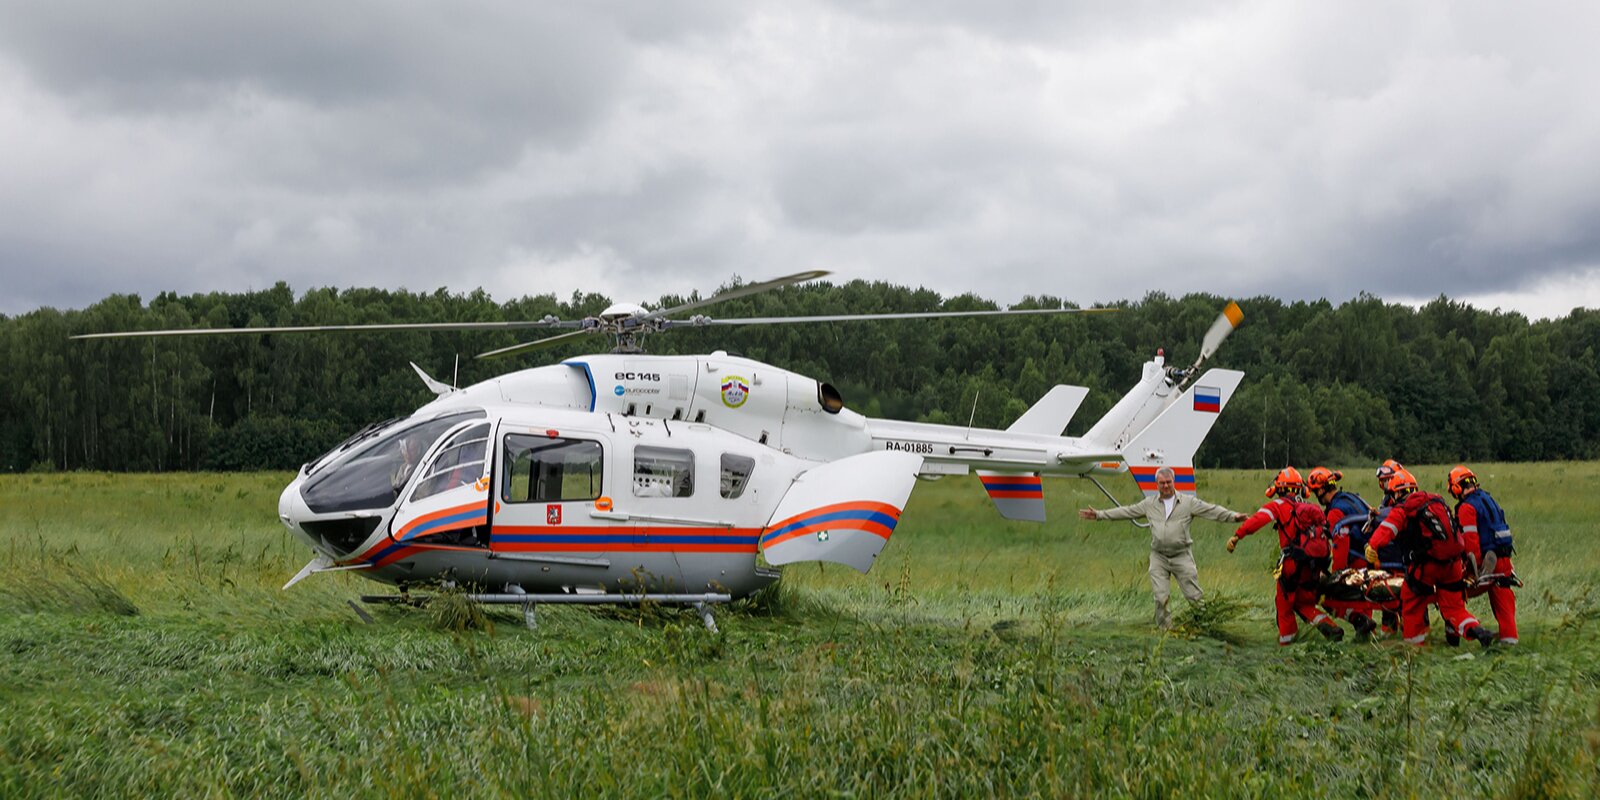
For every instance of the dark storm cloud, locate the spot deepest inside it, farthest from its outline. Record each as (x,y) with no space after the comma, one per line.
(1089,151)
(341,94)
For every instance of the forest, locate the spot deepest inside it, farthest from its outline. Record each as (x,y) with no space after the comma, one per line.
(1342,384)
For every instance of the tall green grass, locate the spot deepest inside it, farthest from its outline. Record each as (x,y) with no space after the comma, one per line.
(148,649)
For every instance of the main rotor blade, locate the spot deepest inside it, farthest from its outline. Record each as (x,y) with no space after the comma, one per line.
(905,315)
(742,291)
(396,326)
(537,344)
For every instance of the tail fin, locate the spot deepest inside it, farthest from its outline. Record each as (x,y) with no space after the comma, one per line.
(1016,495)
(1173,437)
(1137,409)
(1051,414)
(1020,495)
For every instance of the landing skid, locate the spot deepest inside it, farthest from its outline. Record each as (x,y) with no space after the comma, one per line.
(702,603)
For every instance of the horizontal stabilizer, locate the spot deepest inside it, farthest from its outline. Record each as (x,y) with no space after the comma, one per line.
(1017,496)
(1051,414)
(843,511)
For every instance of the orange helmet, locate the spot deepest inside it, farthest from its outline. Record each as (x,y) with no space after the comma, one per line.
(1322,477)
(1386,471)
(1461,479)
(1287,482)
(1402,481)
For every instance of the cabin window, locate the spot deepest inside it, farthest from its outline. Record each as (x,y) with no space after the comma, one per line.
(459,463)
(662,472)
(735,474)
(545,469)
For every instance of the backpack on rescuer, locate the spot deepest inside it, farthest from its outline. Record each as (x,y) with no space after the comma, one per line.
(1354,508)
(1307,531)
(1493,532)
(1428,533)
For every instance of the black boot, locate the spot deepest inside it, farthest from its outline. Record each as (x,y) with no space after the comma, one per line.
(1333,632)
(1452,638)
(1364,626)
(1484,636)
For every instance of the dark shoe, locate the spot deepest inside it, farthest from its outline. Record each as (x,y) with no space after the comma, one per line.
(1452,639)
(1364,626)
(1333,632)
(1484,636)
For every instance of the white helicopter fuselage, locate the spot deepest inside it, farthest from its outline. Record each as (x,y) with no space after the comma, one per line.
(627,473)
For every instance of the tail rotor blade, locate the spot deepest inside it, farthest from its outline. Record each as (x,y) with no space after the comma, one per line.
(1226,322)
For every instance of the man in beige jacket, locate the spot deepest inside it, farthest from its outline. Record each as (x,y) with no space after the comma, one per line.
(1168,514)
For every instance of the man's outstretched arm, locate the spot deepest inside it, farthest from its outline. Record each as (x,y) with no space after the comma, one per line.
(1134,511)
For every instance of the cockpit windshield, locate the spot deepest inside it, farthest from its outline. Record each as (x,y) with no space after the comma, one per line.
(373,476)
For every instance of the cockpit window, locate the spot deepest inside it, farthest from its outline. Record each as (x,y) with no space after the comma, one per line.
(316,464)
(459,462)
(373,476)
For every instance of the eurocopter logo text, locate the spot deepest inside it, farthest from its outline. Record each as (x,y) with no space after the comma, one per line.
(735,390)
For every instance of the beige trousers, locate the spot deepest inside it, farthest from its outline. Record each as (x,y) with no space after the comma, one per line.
(1181,567)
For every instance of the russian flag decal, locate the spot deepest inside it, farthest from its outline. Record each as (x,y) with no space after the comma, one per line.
(1207,398)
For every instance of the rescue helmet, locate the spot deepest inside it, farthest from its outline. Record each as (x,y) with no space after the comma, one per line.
(1402,482)
(1323,478)
(1386,471)
(1461,479)
(1287,483)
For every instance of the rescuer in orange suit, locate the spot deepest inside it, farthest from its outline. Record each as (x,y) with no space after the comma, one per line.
(1349,543)
(1487,538)
(1434,573)
(1302,536)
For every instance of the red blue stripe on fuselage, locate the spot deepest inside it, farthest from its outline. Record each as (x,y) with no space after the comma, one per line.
(875,518)
(633,538)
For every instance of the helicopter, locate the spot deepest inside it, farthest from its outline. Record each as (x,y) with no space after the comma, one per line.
(628,478)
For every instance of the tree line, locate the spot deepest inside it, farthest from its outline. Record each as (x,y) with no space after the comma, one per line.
(1342,384)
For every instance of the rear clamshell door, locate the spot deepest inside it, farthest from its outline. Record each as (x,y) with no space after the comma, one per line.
(450,498)
(843,511)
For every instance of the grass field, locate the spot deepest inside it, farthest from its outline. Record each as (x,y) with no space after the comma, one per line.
(147,649)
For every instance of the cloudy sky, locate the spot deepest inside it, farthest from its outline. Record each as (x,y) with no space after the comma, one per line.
(1093,151)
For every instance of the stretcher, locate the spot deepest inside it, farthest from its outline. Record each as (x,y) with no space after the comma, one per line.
(1377,586)
(1382,587)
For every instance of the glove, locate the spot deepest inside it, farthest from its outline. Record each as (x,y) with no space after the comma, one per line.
(1233,541)
(1372,555)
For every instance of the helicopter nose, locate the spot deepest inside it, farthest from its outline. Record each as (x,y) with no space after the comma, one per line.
(292,511)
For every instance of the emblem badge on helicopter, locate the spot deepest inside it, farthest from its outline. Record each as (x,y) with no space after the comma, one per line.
(681,501)
(735,391)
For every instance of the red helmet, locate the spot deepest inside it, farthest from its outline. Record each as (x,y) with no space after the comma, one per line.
(1461,479)
(1322,477)
(1402,482)
(1287,482)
